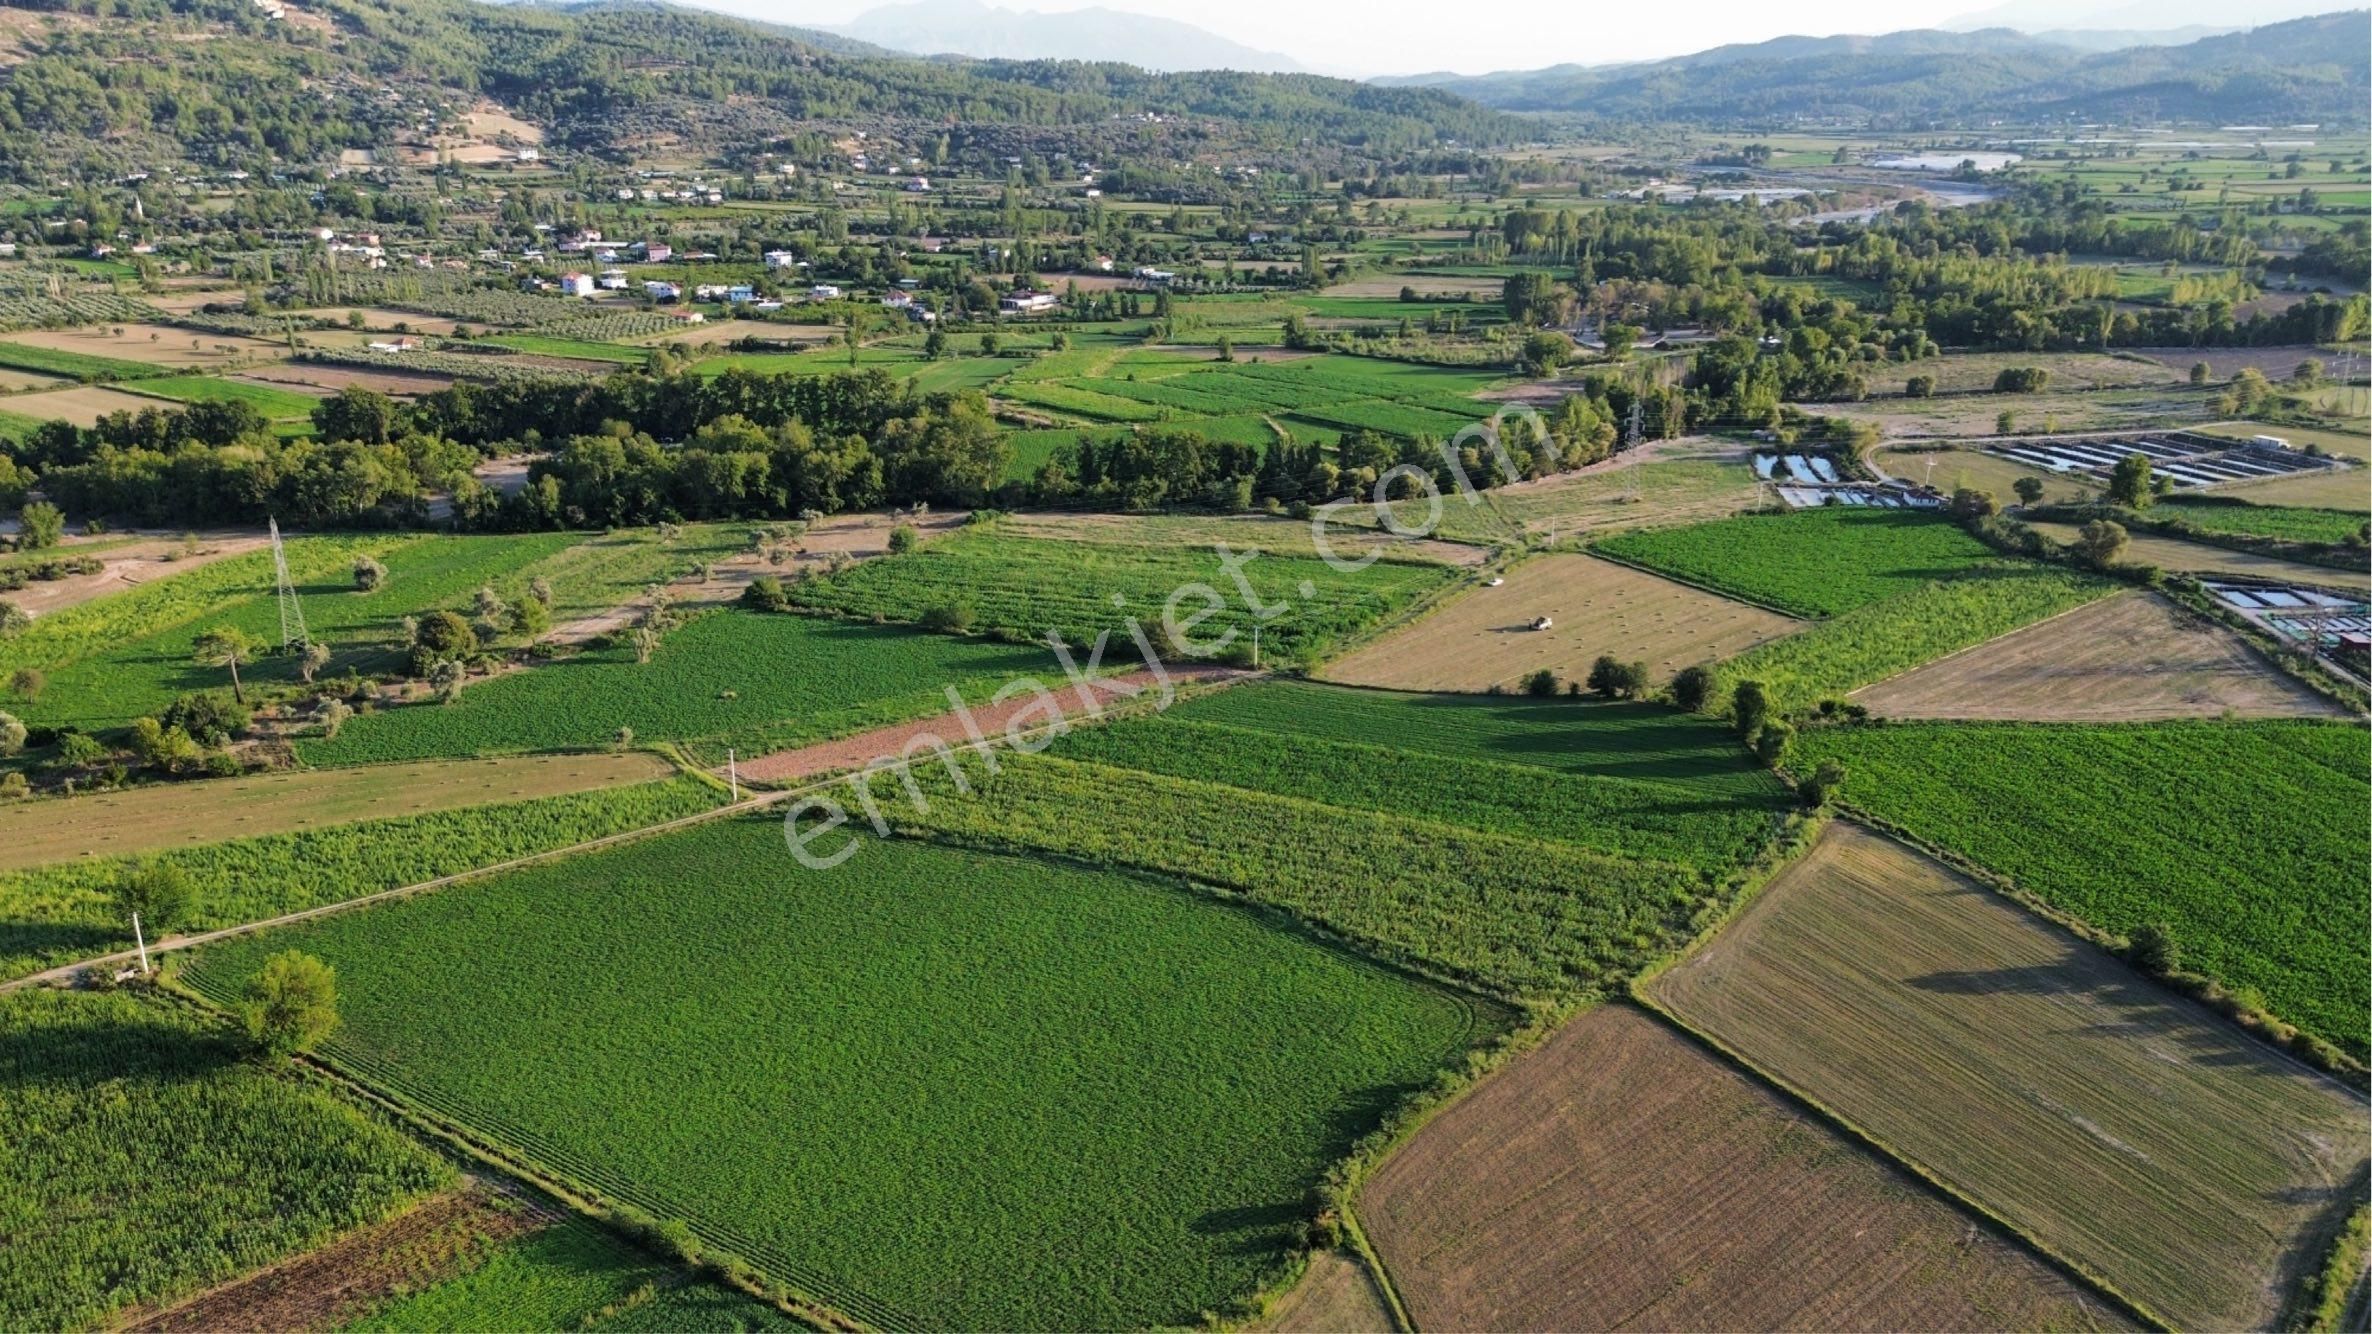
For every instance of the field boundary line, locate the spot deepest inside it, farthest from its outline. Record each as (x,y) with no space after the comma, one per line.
(763,797)
(1592,549)
(1852,1131)
(1985,643)
(2354,1077)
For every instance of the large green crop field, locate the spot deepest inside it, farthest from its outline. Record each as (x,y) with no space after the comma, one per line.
(754,681)
(277,404)
(146,1159)
(2292,523)
(1815,562)
(1030,586)
(1642,818)
(2246,838)
(78,365)
(56,914)
(1638,742)
(932,1086)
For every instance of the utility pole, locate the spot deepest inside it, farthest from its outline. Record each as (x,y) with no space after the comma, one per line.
(733,772)
(1255,648)
(292,613)
(1632,448)
(142,941)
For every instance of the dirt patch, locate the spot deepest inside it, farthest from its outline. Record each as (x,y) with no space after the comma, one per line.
(788,766)
(308,376)
(1238,531)
(1424,284)
(2275,363)
(1335,1296)
(383,318)
(340,1282)
(2130,658)
(152,344)
(129,566)
(17,381)
(1484,637)
(2138,1133)
(724,333)
(1621,1178)
(82,405)
(178,815)
(843,536)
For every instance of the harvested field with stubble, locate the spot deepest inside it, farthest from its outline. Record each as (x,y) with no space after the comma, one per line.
(2136,1133)
(2131,658)
(1483,638)
(1620,1177)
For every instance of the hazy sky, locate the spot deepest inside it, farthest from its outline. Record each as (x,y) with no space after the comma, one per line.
(1363,37)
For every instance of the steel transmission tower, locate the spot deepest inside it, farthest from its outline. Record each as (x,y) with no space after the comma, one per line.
(292,613)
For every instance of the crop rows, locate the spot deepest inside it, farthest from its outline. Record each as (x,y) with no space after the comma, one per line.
(548,345)
(1084,402)
(1638,742)
(55,914)
(551,1278)
(2246,838)
(1882,639)
(42,299)
(76,365)
(1109,1143)
(609,328)
(1814,562)
(2289,523)
(1515,916)
(443,363)
(146,1160)
(1028,587)
(1625,817)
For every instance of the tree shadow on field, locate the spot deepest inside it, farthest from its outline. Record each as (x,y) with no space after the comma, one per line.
(33,945)
(1260,1229)
(108,1040)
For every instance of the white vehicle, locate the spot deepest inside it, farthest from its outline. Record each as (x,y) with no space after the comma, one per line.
(1495,582)
(1542,623)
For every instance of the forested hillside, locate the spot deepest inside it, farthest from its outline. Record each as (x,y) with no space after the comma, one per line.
(218,82)
(2313,69)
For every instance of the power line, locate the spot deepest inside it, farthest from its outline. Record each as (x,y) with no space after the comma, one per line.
(292,612)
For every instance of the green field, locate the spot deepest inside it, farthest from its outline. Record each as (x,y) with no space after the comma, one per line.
(574,1274)
(56,914)
(2289,523)
(2247,839)
(576,349)
(1655,819)
(1029,586)
(75,365)
(276,404)
(749,680)
(1870,643)
(1813,562)
(931,1086)
(146,1159)
(1323,394)
(117,658)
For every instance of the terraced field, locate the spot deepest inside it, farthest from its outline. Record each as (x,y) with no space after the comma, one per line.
(1101,1153)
